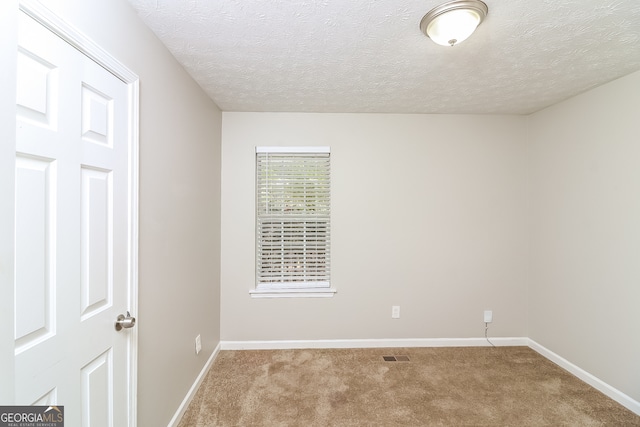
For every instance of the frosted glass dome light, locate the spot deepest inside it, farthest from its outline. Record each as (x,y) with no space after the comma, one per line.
(453,22)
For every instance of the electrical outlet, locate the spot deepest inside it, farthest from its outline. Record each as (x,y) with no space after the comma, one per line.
(198,344)
(395,312)
(488,316)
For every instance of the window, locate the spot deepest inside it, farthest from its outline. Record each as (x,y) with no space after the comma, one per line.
(293,228)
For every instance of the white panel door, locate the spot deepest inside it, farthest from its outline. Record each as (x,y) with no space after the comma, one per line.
(71,232)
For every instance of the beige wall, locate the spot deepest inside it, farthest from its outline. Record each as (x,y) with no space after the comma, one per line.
(428,213)
(179,202)
(585,247)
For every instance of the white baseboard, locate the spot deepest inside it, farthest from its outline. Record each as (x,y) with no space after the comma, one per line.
(194,388)
(372,343)
(598,384)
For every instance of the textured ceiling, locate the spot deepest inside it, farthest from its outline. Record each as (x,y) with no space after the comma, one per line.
(370,56)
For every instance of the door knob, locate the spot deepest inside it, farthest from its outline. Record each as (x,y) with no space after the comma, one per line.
(125,321)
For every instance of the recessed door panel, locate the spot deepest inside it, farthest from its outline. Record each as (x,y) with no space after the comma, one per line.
(36,89)
(97,244)
(97,391)
(97,116)
(35,257)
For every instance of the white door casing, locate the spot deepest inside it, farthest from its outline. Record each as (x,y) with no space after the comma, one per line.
(75,207)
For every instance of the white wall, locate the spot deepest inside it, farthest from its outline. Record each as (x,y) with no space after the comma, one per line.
(428,212)
(179,200)
(585,228)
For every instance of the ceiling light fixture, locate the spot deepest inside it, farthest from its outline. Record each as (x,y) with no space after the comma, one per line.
(453,22)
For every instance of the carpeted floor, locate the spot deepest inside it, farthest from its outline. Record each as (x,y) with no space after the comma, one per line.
(468,386)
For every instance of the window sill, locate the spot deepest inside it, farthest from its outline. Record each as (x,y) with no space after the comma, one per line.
(293,293)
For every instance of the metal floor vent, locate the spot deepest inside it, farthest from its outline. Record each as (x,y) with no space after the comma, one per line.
(396,358)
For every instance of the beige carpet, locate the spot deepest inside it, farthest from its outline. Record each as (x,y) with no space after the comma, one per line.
(469,386)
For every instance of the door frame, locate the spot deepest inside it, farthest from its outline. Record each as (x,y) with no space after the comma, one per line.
(89,48)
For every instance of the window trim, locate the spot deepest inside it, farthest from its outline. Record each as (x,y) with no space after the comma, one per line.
(321,289)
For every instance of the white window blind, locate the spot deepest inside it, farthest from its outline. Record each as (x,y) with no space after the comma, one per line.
(293,229)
